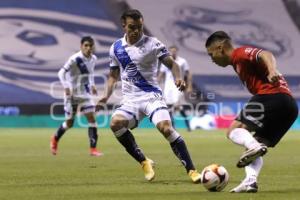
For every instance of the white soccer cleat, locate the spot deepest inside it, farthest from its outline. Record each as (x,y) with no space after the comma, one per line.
(245,187)
(251,154)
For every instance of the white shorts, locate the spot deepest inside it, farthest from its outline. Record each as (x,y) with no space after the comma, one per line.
(151,105)
(83,105)
(172,95)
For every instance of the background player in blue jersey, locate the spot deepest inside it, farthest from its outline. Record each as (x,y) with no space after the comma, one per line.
(136,57)
(77,78)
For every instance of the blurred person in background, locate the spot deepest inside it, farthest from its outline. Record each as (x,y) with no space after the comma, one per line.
(173,97)
(77,79)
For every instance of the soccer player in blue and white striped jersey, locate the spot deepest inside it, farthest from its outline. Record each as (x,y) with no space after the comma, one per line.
(77,78)
(135,58)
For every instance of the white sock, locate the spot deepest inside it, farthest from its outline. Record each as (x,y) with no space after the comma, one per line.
(253,169)
(173,136)
(243,137)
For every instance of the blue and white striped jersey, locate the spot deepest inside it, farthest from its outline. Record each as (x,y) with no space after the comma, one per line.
(78,74)
(138,64)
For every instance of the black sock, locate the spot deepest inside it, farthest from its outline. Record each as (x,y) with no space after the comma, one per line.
(172,119)
(128,141)
(180,150)
(59,133)
(185,119)
(93,136)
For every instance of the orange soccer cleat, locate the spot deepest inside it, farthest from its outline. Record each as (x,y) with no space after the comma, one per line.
(95,152)
(53,145)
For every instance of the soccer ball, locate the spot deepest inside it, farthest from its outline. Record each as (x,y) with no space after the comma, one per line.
(214,177)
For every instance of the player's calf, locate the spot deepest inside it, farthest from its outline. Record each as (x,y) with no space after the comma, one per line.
(53,145)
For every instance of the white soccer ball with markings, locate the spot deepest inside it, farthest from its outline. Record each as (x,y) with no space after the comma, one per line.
(214,177)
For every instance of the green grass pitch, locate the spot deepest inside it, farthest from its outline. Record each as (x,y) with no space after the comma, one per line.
(29,172)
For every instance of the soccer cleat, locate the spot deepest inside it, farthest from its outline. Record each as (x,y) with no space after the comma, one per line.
(195,176)
(245,188)
(147,166)
(251,155)
(53,145)
(95,152)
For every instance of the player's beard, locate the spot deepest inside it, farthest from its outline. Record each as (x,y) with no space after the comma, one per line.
(135,37)
(88,54)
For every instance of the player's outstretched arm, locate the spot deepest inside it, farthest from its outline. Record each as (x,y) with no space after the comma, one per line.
(94,90)
(189,80)
(173,66)
(268,59)
(113,78)
(62,77)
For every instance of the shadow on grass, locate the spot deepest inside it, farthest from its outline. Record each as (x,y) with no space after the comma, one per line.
(281,191)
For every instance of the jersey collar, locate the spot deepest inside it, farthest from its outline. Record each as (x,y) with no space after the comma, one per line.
(233,57)
(124,42)
(84,57)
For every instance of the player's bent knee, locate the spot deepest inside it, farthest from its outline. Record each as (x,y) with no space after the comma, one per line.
(91,119)
(235,124)
(165,127)
(118,128)
(115,125)
(69,124)
(118,123)
(120,132)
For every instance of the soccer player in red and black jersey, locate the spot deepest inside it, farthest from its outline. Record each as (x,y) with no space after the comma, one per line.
(269,113)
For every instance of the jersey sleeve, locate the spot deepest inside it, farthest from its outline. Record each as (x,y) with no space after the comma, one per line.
(62,74)
(160,49)
(68,65)
(62,77)
(251,54)
(113,62)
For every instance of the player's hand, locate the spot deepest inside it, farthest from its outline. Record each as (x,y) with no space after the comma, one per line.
(189,89)
(94,90)
(274,77)
(101,103)
(180,84)
(68,93)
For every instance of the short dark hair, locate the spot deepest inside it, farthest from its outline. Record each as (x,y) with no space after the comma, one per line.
(132,13)
(217,36)
(87,38)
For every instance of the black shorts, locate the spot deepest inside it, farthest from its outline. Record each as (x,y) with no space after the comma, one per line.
(270,116)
